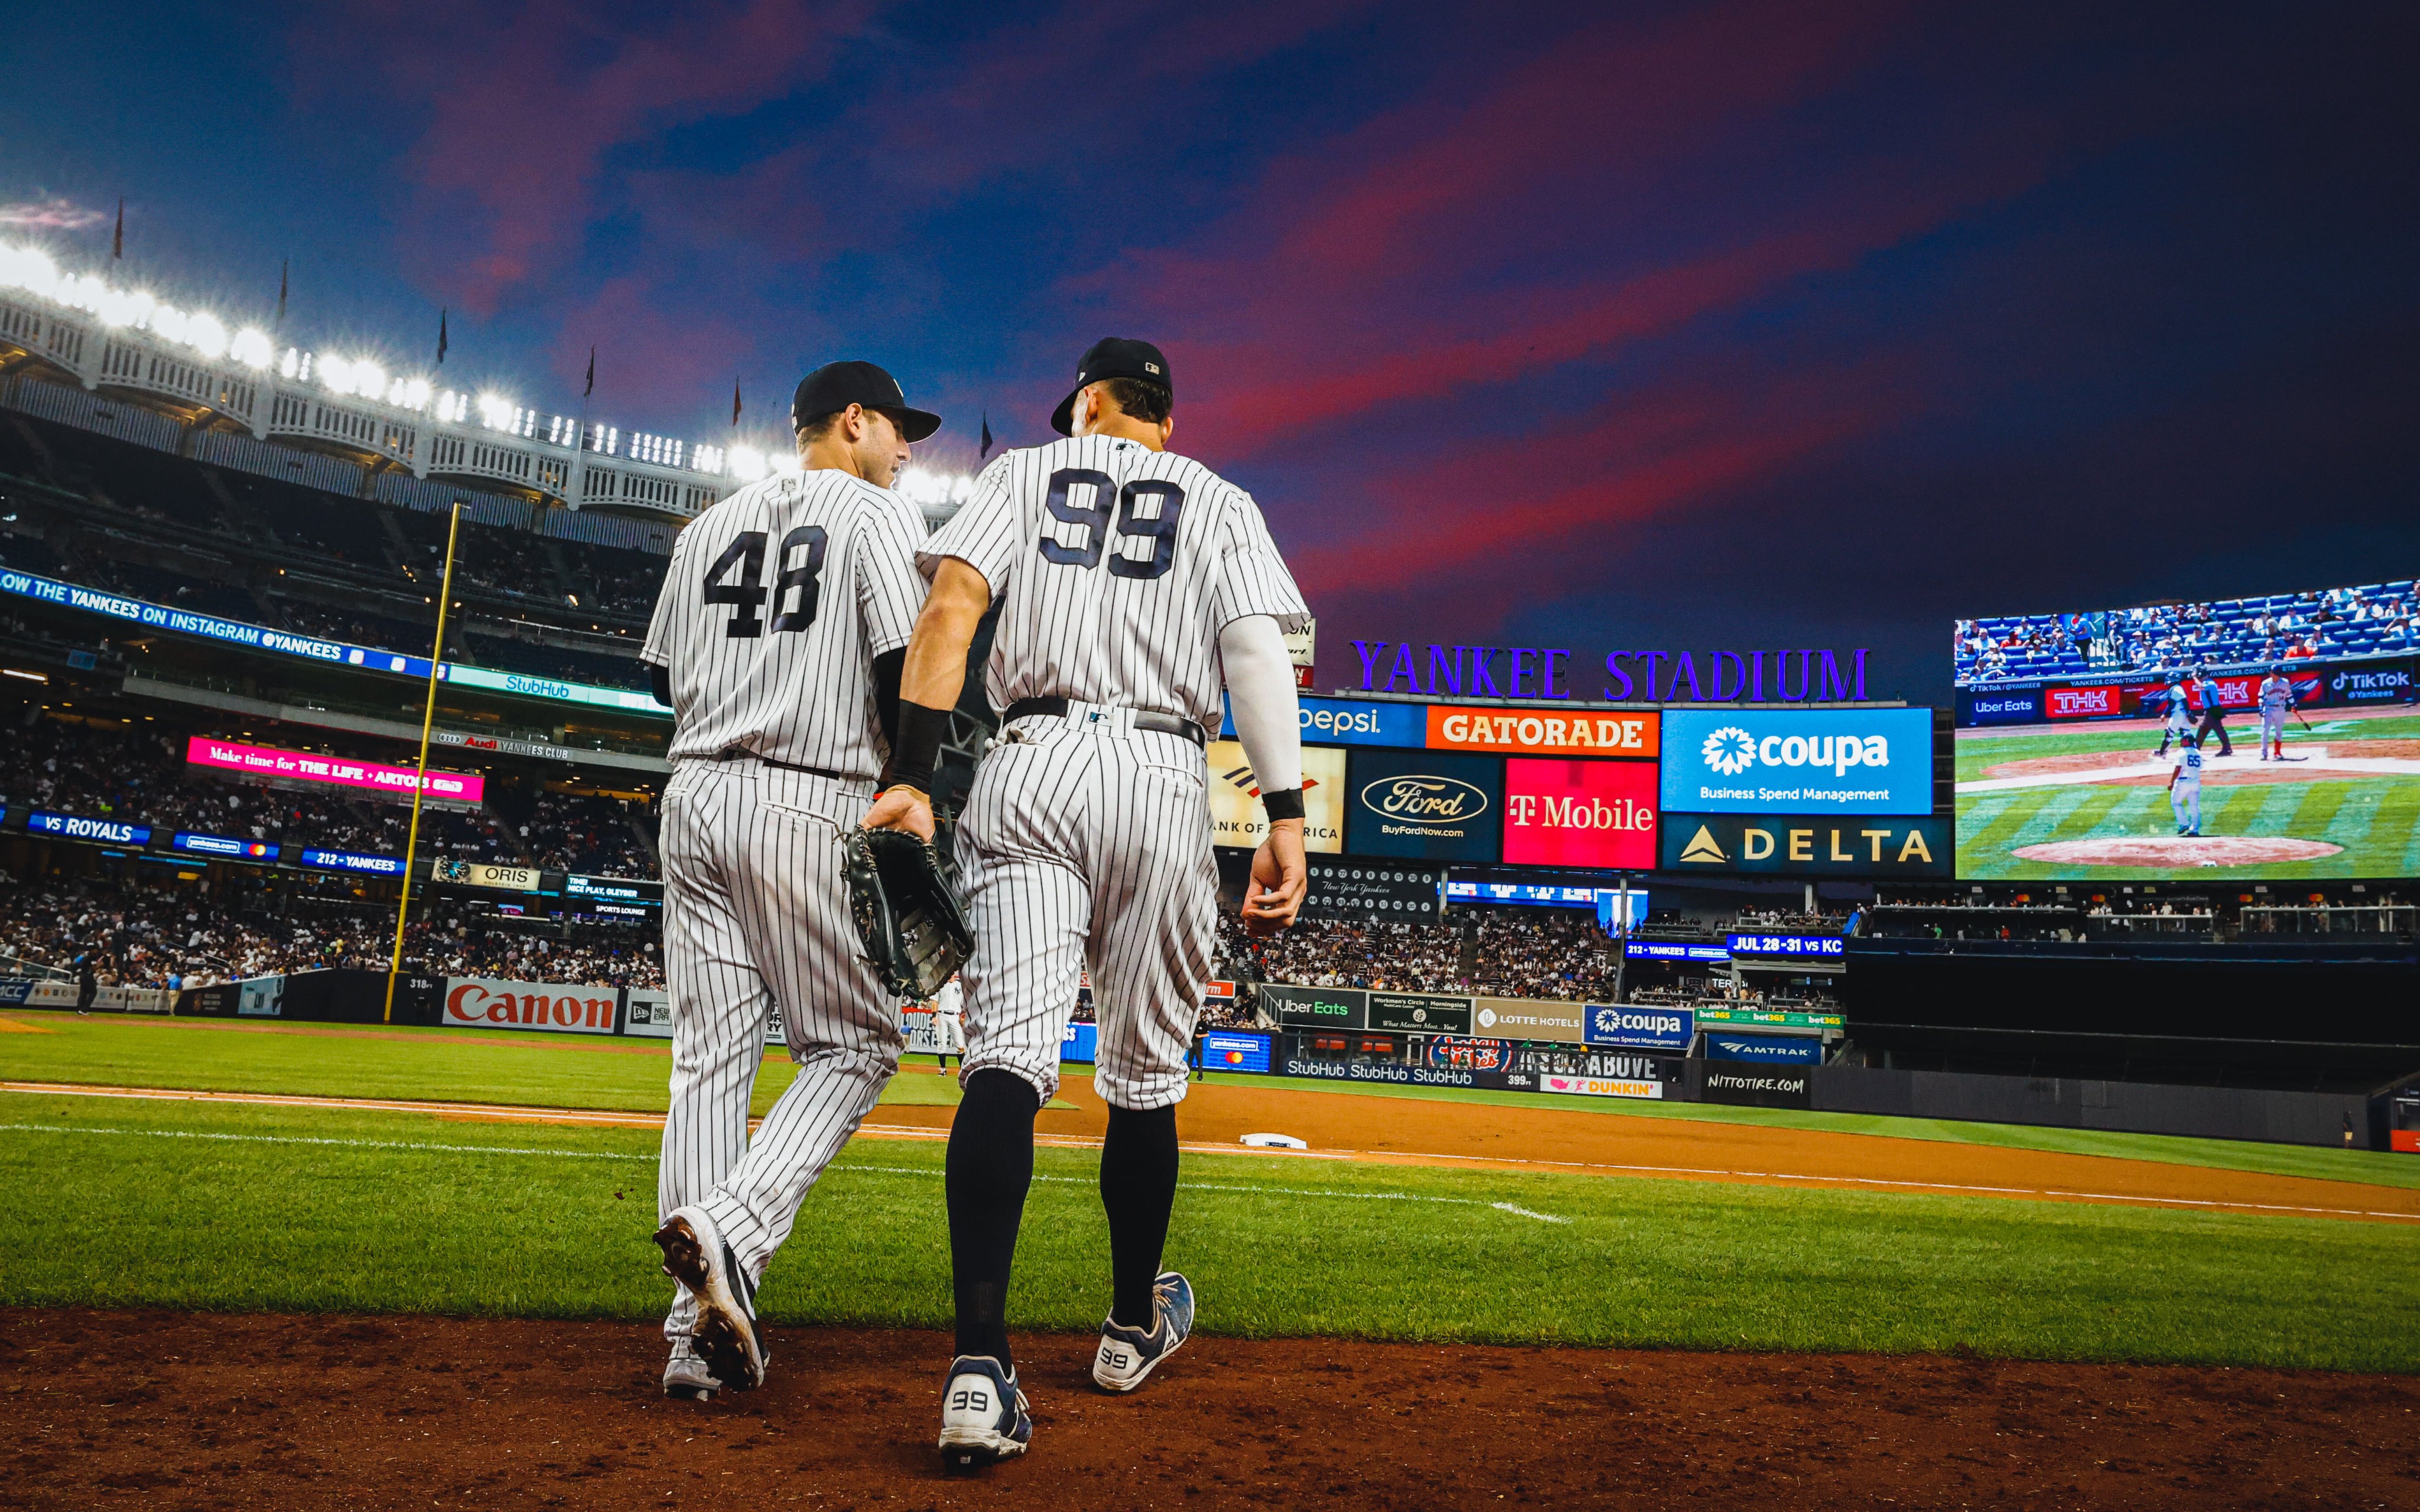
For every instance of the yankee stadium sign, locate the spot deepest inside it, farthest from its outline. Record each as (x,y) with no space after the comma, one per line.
(1792,676)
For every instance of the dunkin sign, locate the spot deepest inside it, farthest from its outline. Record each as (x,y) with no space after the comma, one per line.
(486,1003)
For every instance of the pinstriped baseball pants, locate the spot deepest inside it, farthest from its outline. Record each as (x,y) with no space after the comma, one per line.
(1087,841)
(756,922)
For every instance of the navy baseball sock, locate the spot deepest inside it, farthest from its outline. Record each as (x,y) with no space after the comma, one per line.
(990,1166)
(1137,1187)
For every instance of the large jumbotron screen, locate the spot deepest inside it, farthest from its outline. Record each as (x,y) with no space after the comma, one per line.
(2080,736)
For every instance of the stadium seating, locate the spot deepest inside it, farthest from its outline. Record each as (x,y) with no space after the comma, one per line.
(175,530)
(151,936)
(2375,620)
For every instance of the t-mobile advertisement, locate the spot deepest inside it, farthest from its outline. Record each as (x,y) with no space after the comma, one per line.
(1579,813)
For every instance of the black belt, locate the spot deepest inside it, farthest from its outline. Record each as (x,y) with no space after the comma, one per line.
(741,754)
(1166,724)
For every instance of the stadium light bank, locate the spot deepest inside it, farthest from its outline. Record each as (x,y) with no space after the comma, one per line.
(249,353)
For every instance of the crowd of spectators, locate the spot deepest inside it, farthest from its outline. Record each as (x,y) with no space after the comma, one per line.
(575,832)
(1544,953)
(1789,918)
(2377,618)
(148,936)
(1388,955)
(137,776)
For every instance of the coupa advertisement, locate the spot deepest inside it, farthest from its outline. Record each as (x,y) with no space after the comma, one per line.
(1640,1027)
(1811,761)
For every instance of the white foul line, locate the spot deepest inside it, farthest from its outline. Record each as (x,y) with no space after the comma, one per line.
(596,1154)
(579,1116)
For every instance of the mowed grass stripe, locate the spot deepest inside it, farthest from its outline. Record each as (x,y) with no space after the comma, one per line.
(227,1224)
(271,1062)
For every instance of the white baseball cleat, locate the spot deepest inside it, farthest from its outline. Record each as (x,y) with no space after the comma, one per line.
(1126,1355)
(985,1418)
(726,1338)
(686,1376)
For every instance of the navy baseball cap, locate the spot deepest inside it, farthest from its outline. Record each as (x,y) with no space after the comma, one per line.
(1112,357)
(835,386)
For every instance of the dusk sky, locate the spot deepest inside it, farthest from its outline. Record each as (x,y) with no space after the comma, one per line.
(1738,326)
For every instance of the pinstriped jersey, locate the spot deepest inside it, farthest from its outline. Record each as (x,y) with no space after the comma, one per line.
(1119,566)
(777,601)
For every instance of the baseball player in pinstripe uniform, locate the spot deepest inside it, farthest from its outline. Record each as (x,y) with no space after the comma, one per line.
(778,642)
(1133,583)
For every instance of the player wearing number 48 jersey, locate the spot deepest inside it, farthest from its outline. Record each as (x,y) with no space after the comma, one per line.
(1132,585)
(777,642)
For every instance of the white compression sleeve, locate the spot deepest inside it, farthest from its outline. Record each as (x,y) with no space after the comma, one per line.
(1260,686)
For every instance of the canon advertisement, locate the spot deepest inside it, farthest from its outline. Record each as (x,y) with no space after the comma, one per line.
(2265,738)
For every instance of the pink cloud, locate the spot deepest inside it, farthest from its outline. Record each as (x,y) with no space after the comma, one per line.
(53,214)
(520,109)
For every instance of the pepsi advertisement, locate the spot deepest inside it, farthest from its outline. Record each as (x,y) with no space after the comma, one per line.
(1351,722)
(1801,760)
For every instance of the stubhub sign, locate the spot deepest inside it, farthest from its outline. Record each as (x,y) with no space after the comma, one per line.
(1811,761)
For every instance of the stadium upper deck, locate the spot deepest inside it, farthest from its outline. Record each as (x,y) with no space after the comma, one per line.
(2375,620)
(242,400)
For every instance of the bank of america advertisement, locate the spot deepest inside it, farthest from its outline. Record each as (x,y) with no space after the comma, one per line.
(1236,817)
(1798,761)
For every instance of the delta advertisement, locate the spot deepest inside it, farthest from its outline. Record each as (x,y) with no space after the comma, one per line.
(1819,844)
(1822,760)
(333,771)
(1236,817)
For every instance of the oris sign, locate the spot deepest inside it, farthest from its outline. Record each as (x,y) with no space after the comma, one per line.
(1580,813)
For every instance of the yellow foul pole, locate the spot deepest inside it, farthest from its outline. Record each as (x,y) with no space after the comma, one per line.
(428,722)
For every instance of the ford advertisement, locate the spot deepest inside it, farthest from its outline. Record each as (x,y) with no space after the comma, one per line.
(1437,806)
(1807,761)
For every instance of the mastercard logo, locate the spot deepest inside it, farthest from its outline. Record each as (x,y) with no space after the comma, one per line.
(1234,1057)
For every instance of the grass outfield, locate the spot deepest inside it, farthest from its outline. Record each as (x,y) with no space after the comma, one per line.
(2376,818)
(562,1070)
(200,1206)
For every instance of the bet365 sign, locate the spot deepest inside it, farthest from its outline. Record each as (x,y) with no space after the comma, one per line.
(1808,845)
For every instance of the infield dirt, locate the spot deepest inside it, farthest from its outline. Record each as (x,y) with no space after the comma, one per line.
(205,1411)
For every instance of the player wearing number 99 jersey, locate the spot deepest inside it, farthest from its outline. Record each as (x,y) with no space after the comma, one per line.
(777,642)
(1133,584)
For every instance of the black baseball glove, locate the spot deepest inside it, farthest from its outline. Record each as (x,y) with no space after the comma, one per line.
(915,933)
